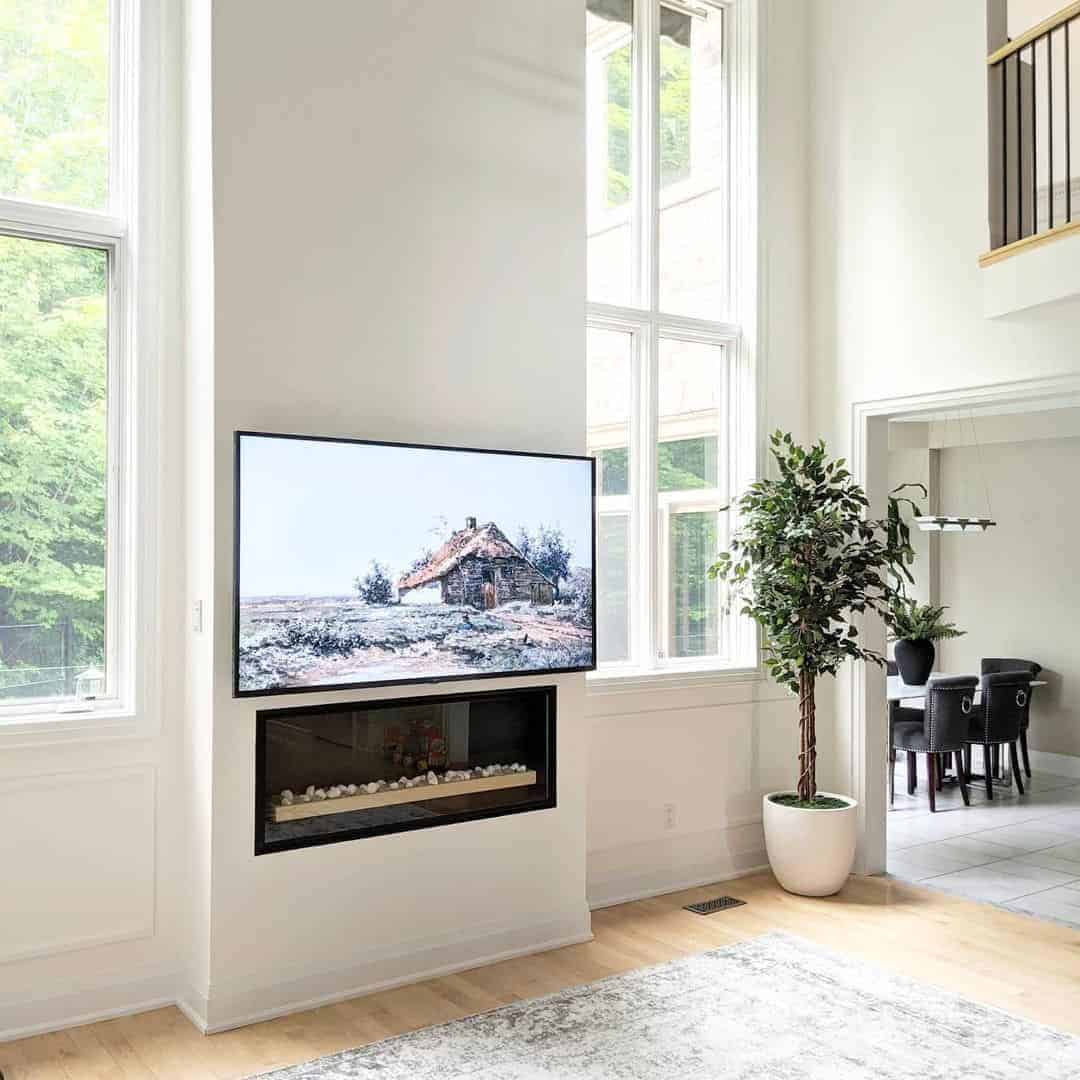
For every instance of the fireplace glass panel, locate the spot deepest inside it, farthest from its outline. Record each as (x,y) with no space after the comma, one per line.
(348,771)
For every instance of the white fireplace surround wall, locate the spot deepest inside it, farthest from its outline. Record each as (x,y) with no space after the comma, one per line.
(429,291)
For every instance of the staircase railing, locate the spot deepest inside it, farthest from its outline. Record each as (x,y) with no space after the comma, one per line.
(1034,194)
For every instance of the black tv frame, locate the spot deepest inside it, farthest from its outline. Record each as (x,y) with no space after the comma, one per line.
(426,680)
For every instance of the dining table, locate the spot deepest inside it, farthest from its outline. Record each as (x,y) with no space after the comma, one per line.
(898,690)
(914,697)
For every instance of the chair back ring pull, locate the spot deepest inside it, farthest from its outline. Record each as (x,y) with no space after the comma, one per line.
(966,704)
(1021,698)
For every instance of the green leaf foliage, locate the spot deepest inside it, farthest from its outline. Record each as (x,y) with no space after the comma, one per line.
(54,128)
(911,621)
(674,118)
(805,559)
(54,100)
(52,439)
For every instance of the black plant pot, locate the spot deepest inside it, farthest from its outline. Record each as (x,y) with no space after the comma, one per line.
(915,660)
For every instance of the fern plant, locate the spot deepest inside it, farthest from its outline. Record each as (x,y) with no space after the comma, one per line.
(909,620)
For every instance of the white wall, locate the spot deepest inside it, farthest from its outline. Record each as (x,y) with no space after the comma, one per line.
(914,465)
(1014,589)
(399,254)
(709,753)
(92,908)
(898,205)
(899,212)
(196,761)
(1024,14)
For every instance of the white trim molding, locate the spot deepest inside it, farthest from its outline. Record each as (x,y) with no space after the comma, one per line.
(249,998)
(135,880)
(736,333)
(73,1008)
(1043,274)
(869,465)
(712,870)
(613,682)
(136,231)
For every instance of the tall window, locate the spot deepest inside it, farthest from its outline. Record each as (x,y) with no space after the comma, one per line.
(662,331)
(63,235)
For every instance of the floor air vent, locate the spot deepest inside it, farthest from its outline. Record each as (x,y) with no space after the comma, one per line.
(710,907)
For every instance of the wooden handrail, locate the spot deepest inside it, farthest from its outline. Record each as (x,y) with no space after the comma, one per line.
(1052,22)
(1028,242)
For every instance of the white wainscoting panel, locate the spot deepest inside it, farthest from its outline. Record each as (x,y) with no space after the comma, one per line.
(675,786)
(78,855)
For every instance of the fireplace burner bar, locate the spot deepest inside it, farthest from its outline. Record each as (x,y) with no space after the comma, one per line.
(296,810)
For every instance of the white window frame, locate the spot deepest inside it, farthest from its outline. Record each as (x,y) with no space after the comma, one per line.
(736,334)
(128,232)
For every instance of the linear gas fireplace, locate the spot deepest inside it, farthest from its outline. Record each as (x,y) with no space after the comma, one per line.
(342,772)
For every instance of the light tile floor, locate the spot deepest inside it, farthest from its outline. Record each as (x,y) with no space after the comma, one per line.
(1021,852)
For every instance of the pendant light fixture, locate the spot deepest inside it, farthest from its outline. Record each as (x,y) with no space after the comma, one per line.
(958,523)
(940,523)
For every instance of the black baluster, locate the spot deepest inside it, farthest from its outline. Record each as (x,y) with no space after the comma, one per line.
(1034,149)
(1004,151)
(1050,129)
(1068,131)
(1019,148)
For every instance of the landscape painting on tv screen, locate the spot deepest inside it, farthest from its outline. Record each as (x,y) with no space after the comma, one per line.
(361,563)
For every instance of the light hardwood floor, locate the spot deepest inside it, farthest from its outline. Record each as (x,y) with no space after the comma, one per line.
(1027,967)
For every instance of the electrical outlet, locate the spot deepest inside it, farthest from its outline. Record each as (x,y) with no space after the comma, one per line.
(669,815)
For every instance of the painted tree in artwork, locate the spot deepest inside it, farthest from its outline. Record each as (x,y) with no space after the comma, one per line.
(375,587)
(548,551)
(805,560)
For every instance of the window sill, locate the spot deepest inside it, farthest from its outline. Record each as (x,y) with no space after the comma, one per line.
(598,684)
(43,725)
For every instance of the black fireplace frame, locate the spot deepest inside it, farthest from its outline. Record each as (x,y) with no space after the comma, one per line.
(263,716)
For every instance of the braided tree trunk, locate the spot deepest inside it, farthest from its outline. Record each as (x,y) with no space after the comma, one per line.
(807,738)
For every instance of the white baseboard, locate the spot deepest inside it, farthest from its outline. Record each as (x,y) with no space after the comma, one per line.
(1059,764)
(680,886)
(193,1005)
(685,861)
(242,1003)
(37,1016)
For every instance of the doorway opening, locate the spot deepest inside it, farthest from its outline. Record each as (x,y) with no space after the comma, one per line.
(1009,590)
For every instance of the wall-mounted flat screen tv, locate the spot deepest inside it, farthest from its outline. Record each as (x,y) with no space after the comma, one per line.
(368,563)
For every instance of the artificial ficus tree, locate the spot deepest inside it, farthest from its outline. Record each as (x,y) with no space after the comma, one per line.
(805,560)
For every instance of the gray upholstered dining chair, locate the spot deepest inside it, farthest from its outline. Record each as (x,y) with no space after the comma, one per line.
(943,727)
(899,713)
(992,665)
(999,719)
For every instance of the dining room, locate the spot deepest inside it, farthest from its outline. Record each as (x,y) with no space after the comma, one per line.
(984,735)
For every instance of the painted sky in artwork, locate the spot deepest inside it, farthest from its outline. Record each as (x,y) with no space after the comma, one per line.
(315,514)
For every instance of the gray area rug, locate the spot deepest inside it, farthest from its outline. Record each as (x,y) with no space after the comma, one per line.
(774,1008)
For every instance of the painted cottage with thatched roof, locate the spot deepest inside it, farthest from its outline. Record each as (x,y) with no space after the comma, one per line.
(479,566)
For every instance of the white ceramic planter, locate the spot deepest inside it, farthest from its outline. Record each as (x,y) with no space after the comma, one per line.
(811,852)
